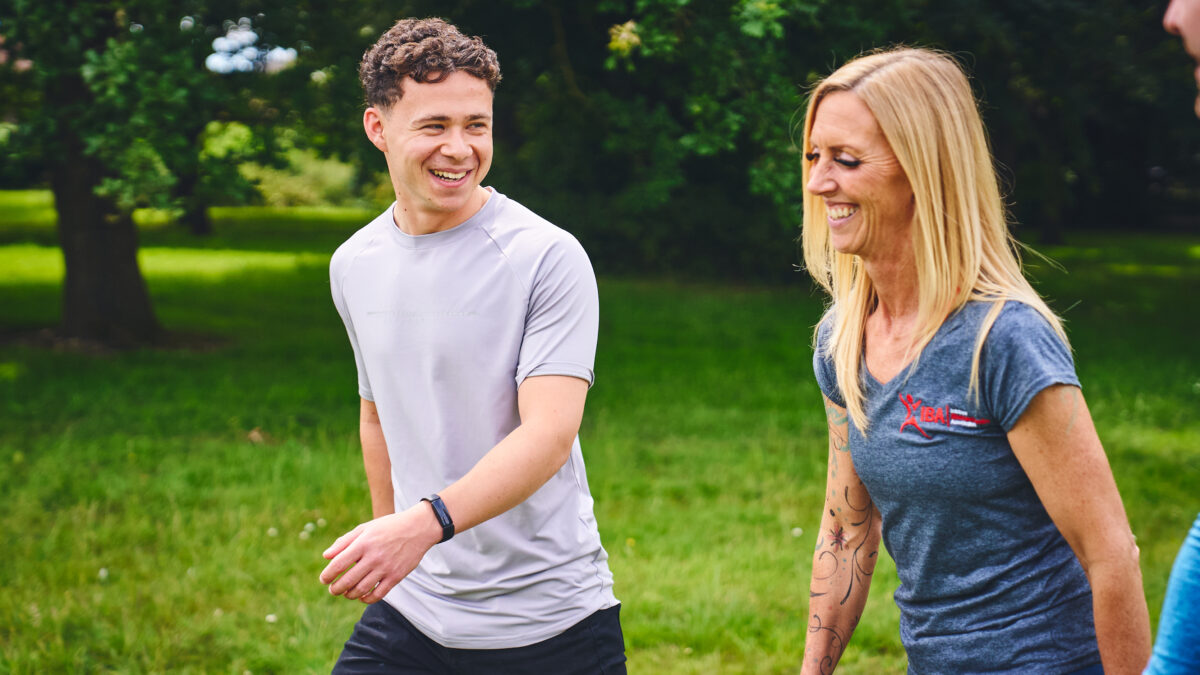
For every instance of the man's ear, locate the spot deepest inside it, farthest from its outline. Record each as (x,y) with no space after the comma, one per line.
(373,125)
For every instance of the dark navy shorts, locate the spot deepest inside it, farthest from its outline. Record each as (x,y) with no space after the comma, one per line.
(384,641)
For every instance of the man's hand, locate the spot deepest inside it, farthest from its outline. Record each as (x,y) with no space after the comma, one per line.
(369,560)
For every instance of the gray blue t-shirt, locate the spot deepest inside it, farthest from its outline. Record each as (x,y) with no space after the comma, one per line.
(445,327)
(987,582)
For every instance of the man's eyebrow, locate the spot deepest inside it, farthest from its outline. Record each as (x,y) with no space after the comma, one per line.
(447,118)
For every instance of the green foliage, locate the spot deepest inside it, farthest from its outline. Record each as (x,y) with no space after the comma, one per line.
(143,178)
(129,81)
(1083,101)
(310,180)
(225,148)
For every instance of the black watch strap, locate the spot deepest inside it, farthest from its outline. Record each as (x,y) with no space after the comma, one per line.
(442,515)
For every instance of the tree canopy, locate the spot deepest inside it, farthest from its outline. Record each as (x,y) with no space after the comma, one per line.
(661,132)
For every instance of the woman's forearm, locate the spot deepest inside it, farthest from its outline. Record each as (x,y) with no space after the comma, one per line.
(843,564)
(1122,620)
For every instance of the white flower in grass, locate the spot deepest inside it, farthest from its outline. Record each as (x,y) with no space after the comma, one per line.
(218,612)
(320,522)
(271,618)
(304,534)
(103,574)
(309,527)
(272,532)
(796,531)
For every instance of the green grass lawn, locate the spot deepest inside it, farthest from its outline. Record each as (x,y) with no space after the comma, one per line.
(165,510)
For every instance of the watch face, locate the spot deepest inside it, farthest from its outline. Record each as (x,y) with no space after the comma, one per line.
(442,515)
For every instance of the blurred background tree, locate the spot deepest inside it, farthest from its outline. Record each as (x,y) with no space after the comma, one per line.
(661,132)
(114,107)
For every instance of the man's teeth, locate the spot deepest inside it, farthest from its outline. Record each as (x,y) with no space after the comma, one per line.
(839,212)
(447,175)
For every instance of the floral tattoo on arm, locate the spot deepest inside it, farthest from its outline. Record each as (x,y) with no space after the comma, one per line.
(838,551)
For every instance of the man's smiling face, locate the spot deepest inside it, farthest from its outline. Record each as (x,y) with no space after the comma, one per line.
(438,142)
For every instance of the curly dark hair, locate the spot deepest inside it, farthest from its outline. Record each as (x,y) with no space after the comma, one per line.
(427,50)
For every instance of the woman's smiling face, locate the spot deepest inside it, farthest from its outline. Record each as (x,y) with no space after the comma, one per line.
(868,200)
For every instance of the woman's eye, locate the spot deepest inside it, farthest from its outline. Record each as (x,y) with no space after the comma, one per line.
(848,163)
(812,156)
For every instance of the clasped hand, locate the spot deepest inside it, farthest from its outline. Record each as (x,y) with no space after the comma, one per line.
(366,562)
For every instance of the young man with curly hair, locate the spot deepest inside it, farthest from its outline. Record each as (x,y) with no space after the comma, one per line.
(473,324)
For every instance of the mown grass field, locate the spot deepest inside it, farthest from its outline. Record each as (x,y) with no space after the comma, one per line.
(165,510)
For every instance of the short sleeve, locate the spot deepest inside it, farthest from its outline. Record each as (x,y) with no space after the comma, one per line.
(1022,355)
(823,363)
(337,273)
(563,317)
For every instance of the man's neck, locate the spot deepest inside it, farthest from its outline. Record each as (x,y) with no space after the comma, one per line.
(416,222)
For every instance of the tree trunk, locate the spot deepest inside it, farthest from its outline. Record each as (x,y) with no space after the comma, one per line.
(104,296)
(195,218)
(187,183)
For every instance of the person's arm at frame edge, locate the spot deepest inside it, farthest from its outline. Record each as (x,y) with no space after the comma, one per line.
(1056,443)
(369,560)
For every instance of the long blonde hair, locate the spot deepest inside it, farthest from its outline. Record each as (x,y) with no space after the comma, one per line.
(962,247)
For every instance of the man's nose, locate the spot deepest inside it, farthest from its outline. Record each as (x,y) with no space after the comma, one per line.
(456,146)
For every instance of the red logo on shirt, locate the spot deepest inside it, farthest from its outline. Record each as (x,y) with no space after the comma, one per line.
(911,410)
(916,414)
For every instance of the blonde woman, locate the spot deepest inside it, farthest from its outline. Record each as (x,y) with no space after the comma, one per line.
(957,430)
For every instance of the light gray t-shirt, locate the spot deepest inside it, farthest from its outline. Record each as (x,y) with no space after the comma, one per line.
(444,327)
(987,582)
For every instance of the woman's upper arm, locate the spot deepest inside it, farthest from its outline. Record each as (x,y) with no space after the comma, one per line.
(1056,443)
(846,498)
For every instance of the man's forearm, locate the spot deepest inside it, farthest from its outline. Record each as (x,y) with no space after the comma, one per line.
(516,467)
(367,562)
(376,462)
(506,476)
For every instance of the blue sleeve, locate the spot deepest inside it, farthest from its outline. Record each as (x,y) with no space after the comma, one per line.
(1021,356)
(823,363)
(1177,649)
